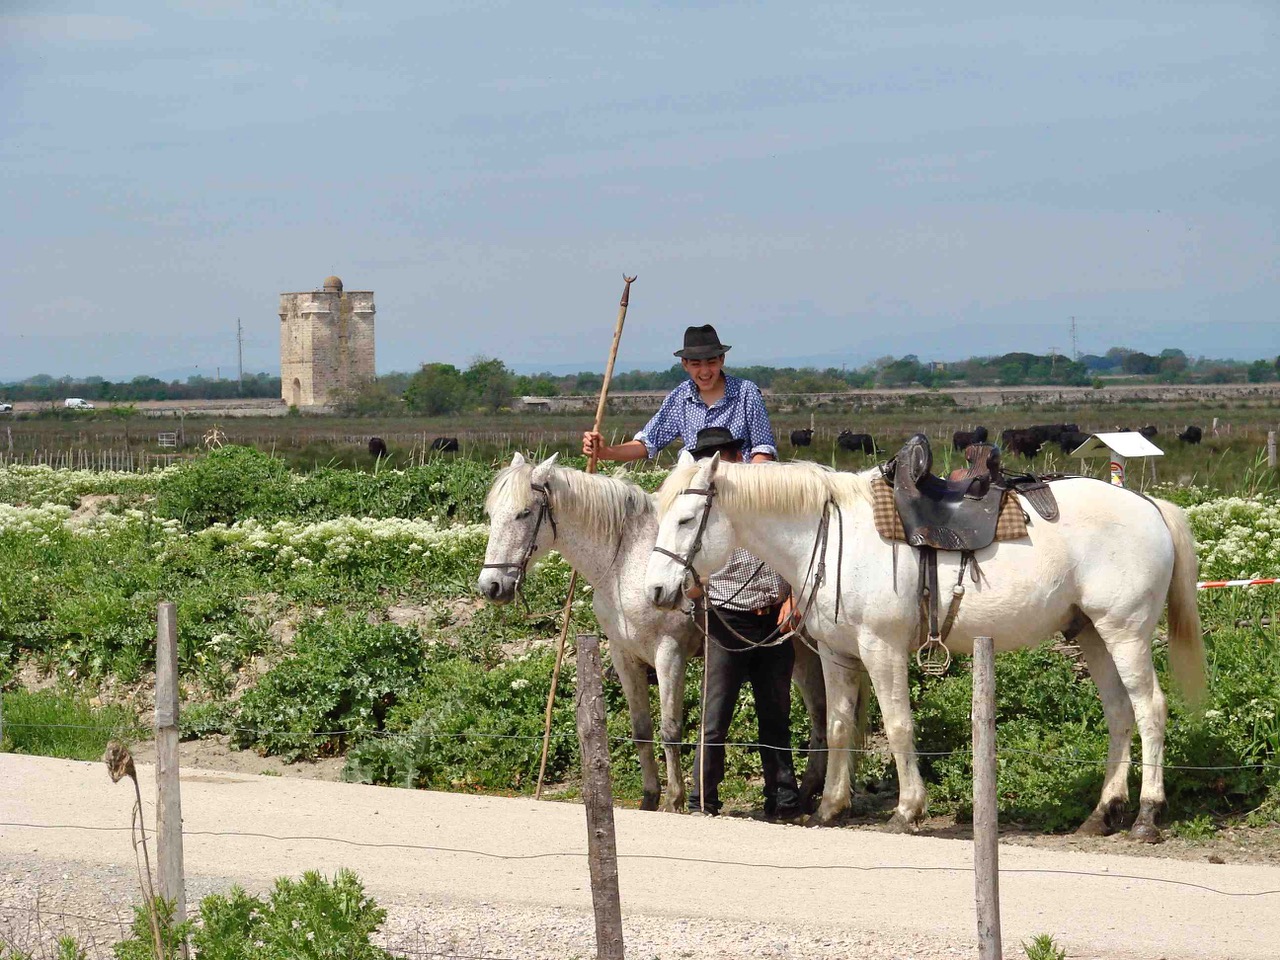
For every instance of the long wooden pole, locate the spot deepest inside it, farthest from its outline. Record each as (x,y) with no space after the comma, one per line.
(567,615)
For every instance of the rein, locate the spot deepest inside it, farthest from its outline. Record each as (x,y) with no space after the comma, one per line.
(817,567)
(546,514)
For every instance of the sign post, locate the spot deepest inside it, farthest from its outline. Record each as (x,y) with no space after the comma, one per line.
(1119,449)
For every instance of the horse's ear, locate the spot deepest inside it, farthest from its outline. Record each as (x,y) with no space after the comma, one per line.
(543,470)
(517,460)
(685,459)
(708,469)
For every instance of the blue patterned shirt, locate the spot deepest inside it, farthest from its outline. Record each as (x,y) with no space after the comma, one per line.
(683,414)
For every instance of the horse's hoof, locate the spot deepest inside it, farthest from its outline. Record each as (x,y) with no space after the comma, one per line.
(671,806)
(1146,833)
(649,801)
(1144,828)
(900,824)
(1095,826)
(821,818)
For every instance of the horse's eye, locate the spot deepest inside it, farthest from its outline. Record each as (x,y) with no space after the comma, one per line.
(685,522)
(522,514)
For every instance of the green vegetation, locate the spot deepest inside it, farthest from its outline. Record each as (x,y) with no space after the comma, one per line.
(50,723)
(337,600)
(1044,947)
(307,919)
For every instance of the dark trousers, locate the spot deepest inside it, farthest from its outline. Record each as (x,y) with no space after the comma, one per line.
(769,671)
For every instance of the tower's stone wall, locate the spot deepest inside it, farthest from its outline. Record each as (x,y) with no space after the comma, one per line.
(326,343)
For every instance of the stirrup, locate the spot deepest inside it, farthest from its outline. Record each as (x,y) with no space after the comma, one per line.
(934,657)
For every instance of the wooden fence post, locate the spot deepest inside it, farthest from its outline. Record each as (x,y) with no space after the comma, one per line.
(1271,449)
(168,798)
(986,837)
(597,795)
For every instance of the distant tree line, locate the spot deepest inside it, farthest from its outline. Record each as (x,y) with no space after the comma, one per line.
(98,389)
(488,384)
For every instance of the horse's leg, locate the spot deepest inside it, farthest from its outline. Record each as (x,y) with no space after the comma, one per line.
(887,665)
(1130,648)
(635,685)
(807,674)
(1108,816)
(842,722)
(672,667)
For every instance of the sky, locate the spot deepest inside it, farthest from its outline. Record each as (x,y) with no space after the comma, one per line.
(826,183)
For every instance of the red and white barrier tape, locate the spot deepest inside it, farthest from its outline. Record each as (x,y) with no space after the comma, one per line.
(1214,584)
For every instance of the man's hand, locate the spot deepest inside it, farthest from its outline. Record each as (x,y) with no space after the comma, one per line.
(593,445)
(788,615)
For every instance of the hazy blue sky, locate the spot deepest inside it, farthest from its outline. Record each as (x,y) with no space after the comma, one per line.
(828,183)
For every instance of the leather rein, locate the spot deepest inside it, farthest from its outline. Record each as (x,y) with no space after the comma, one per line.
(817,568)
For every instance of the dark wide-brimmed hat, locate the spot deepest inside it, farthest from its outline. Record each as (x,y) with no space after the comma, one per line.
(713,440)
(701,343)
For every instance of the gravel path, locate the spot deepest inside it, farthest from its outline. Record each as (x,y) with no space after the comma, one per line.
(465,876)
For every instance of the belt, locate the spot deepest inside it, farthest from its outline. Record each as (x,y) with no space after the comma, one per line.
(769,611)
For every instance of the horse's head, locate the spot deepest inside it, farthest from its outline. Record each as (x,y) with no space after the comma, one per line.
(521,526)
(694,538)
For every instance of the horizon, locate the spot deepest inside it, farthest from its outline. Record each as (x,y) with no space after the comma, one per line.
(180,376)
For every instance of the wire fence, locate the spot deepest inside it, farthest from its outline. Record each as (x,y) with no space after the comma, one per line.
(660,857)
(94,928)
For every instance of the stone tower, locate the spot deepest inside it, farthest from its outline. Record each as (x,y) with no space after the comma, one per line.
(326,343)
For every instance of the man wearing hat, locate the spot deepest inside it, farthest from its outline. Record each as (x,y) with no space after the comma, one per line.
(746,596)
(709,398)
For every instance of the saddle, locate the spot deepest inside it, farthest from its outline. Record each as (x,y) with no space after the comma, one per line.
(954,514)
(962,513)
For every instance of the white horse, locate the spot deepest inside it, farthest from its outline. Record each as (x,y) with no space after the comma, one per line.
(1100,574)
(605,528)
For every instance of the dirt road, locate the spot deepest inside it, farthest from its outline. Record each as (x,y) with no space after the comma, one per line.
(506,877)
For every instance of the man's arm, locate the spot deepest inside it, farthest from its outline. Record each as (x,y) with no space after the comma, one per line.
(760,441)
(631,450)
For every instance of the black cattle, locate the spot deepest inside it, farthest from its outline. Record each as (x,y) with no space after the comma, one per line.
(801,438)
(854,442)
(1052,432)
(1191,435)
(963,438)
(1023,442)
(445,444)
(1148,431)
(377,447)
(1071,439)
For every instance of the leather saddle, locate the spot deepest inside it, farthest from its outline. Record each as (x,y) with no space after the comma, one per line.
(951,514)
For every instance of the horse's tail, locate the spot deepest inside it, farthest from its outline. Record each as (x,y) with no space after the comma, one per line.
(1186,642)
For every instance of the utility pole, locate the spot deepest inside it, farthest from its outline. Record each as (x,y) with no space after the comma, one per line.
(1053,360)
(1075,352)
(240,353)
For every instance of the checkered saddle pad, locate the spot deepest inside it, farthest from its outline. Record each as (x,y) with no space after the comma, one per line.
(1011,524)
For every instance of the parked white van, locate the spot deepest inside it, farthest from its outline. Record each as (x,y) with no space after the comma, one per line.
(75,403)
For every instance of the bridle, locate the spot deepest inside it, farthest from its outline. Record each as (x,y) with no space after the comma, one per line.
(544,514)
(686,562)
(817,569)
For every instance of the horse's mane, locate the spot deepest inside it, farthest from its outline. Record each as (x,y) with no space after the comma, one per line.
(602,504)
(786,488)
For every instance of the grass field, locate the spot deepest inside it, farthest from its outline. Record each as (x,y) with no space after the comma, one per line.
(1229,461)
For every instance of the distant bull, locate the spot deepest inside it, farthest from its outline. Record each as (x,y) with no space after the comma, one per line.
(445,444)
(855,442)
(802,438)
